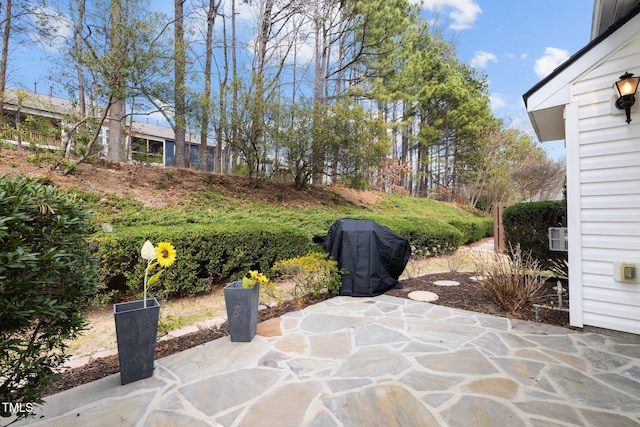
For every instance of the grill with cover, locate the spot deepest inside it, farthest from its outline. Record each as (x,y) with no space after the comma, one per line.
(373,256)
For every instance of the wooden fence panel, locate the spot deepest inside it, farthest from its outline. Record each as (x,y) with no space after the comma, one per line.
(498,228)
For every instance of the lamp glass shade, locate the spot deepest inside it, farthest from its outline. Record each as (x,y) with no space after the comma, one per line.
(627,85)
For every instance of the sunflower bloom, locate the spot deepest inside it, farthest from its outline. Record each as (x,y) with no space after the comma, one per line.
(253,277)
(166,254)
(257,276)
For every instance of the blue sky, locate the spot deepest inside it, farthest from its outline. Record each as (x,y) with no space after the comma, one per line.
(514,42)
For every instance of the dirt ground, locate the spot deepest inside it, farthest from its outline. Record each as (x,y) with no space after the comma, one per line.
(469,295)
(157,186)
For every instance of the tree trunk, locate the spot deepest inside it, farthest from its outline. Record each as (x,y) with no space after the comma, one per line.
(404,149)
(6,31)
(116,131)
(179,89)
(69,144)
(222,128)
(256,132)
(117,107)
(77,42)
(318,84)
(206,101)
(231,156)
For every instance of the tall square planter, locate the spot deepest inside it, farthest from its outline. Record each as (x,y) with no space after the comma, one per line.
(136,332)
(242,311)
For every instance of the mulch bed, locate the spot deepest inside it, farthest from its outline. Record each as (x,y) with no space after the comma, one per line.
(468,296)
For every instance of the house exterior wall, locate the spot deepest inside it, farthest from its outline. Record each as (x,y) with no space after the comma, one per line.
(603,166)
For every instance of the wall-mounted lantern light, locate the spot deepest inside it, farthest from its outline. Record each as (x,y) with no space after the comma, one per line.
(625,90)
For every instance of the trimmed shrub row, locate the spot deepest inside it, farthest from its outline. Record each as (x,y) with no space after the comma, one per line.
(427,236)
(527,225)
(206,254)
(473,229)
(210,254)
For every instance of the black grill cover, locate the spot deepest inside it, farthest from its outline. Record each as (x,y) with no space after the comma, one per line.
(373,256)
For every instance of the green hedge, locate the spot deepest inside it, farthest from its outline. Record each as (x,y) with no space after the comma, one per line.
(527,224)
(427,237)
(207,254)
(210,254)
(473,229)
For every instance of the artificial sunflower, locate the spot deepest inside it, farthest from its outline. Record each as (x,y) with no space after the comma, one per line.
(166,254)
(254,276)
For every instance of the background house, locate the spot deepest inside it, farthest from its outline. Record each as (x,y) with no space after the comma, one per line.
(41,119)
(577,103)
(19,106)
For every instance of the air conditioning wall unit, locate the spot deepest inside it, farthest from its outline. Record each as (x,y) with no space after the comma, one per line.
(558,239)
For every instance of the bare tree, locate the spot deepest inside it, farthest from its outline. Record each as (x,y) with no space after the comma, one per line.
(6,31)
(115,52)
(179,84)
(235,84)
(222,155)
(78,48)
(12,24)
(117,108)
(539,178)
(272,48)
(212,12)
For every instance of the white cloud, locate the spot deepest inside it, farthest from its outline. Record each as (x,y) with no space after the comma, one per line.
(497,101)
(52,29)
(550,61)
(464,13)
(481,58)
(245,10)
(296,36)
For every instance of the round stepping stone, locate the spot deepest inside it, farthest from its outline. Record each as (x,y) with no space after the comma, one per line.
(446,283)
(424,296)
(478,278)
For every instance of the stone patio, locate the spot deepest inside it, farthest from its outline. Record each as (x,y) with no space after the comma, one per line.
(380,361)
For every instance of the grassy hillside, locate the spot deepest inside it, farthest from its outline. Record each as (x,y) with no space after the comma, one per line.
(225,224)
(128,195)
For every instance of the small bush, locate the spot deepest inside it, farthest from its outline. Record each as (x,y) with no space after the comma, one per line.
(314,274)
(47,274)
(511,281)
(455,262)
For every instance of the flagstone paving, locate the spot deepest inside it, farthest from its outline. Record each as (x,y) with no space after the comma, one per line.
(380,361)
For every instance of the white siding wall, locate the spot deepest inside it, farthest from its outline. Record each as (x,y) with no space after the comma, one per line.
(608,208)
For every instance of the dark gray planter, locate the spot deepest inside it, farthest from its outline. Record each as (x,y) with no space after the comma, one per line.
(242,311)
(136,332)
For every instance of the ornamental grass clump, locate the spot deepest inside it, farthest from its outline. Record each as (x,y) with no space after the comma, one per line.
(511,281)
